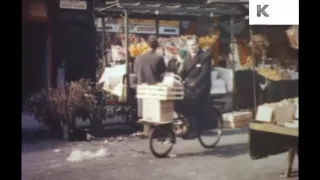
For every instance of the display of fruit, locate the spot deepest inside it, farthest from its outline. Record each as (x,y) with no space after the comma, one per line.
(207,41)
(243,51)
(138,49)
(248,63)
(272,74)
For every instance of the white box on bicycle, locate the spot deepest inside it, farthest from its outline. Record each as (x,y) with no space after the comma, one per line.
(240,116)
(157,111)
(160,92)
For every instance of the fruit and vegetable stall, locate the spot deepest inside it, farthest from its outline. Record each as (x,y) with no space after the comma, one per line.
(275,128)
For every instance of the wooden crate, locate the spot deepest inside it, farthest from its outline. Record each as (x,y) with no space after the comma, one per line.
(154,110)
(238,124)
(237,119)
(238,116)
(159,92)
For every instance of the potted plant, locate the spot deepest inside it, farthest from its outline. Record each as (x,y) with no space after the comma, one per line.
(58,107)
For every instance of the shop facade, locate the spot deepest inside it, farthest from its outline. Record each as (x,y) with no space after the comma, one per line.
(36,47)
(58,44)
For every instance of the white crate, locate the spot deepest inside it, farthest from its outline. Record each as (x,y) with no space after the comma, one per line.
(157,111)
(159,92)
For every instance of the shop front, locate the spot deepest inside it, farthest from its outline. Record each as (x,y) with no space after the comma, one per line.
(35,47)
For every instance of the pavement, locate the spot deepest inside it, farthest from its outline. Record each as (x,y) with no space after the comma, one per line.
(129,158)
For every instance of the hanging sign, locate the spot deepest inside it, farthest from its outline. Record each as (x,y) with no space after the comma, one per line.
(167,27)
(164,30)
(136,29)
(73,4)
(37,8)
(34,10)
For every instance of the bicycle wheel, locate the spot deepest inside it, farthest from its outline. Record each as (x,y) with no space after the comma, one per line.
(163,136)
(209,133)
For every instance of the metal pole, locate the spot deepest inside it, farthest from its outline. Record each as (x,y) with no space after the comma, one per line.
(233,60)
(253,77)
(126,29)
(157,26)
(103,36)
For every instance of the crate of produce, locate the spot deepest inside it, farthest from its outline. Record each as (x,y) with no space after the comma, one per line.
(157,111)
(160,92)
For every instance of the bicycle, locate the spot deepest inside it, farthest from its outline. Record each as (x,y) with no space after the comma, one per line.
(161,131)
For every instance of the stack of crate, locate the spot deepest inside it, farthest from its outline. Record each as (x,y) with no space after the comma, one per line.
(157,102)
(237,119)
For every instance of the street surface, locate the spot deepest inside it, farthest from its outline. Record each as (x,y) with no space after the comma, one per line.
(128,158)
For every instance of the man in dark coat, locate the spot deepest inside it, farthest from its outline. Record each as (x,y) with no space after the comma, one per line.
(196,75)
(149,68)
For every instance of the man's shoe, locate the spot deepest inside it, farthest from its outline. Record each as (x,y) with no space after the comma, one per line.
(189,136)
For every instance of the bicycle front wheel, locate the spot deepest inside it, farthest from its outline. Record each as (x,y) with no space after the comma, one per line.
(161,141)
(210,133)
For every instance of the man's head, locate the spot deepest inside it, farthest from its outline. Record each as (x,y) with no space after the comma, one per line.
(153,42)
(192,45)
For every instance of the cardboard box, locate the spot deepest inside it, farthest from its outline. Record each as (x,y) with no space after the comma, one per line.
(157,111)
(218,86)
(278,115)
(264,114)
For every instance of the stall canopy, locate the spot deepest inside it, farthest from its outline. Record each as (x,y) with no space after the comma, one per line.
(181,9)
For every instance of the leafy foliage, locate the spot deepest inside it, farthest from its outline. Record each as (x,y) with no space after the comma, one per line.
(62,103)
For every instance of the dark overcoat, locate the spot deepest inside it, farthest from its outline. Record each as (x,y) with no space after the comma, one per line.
(196,73)
(149,68)
(173,66)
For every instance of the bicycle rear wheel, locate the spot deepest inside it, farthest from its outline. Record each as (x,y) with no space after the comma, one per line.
(210,133)
(162,136)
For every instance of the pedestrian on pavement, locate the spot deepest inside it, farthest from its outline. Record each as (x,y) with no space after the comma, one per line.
(149,68)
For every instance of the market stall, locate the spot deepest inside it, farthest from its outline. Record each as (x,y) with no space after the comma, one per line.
(162,11)
(276,124)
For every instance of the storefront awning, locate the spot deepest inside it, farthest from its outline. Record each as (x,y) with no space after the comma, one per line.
(164,8)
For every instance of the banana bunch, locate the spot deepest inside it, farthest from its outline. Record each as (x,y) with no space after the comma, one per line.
(138,49)
(206,41)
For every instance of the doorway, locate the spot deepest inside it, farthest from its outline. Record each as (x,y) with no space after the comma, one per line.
(34,52)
